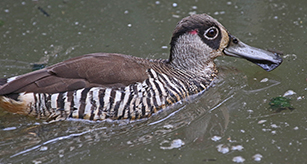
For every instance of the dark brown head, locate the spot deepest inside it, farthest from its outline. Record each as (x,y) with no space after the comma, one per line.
(198,39)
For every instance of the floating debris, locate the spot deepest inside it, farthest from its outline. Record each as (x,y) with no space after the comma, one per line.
(238,147)
(216,138)
(210,159)
(43,11)
(43,148)
(250,111)
(274,126)
(278,104)
(257,157)
(192,12)
(262,121)
(36,162)
(238,159)
(291,56)
(169,126)
(177,143)
(9,128)
(289,93)
(264,80)
(219,13)
(222,148)
(300,98)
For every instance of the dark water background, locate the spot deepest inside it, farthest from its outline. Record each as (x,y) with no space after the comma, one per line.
(235,111)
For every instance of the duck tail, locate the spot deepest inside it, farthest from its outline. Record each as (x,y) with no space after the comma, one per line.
(15,105)
(14,102)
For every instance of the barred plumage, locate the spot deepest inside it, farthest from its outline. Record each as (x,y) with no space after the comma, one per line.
(135,101)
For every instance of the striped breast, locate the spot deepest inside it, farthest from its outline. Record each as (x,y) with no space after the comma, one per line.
(134,101)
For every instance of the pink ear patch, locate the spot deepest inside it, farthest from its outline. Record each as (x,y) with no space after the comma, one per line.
(193,32)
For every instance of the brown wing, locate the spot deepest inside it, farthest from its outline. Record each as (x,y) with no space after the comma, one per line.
(99,69)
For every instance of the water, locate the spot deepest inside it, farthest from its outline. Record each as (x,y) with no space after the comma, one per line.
(233,114)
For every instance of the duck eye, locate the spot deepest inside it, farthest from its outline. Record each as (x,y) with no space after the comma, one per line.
(211,33)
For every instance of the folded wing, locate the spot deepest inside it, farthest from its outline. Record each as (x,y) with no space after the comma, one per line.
(92,70)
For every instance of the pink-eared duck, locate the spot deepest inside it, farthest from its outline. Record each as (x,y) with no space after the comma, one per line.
(115,86)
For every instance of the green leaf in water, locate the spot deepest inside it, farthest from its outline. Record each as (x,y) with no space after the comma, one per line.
(1,22)
(278,104)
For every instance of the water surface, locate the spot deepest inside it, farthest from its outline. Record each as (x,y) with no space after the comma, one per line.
(234,114)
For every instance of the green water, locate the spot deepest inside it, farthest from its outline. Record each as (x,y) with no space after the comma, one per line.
(236,108)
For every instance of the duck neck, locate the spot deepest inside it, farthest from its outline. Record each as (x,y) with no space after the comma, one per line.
(191,56)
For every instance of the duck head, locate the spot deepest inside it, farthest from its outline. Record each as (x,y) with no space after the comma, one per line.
(198,39)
